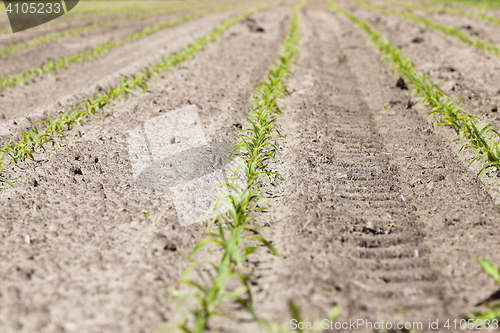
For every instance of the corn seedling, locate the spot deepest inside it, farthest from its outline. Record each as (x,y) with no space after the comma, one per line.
(474,133)
(24,144)
(154,220)
(341,56)
(493,312)
(234,232)
(452,11)
(5,180)
(493,48)
(482,4)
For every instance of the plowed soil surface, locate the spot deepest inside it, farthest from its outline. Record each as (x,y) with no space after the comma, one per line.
(376,211)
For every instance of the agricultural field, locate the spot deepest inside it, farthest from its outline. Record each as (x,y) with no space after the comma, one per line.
(252,166)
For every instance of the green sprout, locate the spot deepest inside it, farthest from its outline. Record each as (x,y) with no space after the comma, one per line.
(474,133)
(24,145)
(234,232)
(493,306)
(493,48)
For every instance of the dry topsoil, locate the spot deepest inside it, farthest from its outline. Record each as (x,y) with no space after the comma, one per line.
(94,262)
(79,81)
(375,212)
(376,215)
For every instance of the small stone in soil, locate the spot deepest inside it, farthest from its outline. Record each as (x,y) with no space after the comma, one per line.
(401,84)
(76,171)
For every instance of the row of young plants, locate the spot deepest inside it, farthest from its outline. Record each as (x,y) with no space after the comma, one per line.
(235,233)
(104,8)
(493,48)
(5,51)
(493,306)
(109,10)
(474,133)
(7,81)
(448,10)
(482,4)
(25,145)
(8,50)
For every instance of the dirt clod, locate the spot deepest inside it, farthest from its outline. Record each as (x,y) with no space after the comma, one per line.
(170,247)
(253,26)
(76,170)
(401,84)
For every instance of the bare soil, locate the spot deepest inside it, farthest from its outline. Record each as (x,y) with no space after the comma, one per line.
(60,25)
(78,81)
(462,71)
(70,45)
(375,211)
(97,264)
(377,215)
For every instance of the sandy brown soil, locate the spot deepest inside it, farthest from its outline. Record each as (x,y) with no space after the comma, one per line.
(95,263)
(475,28)
(78,81)
(70,45)
(74,83)
(375,212)
(60,25)
(376,215)
(82,16)
(461,70)
(459,6)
